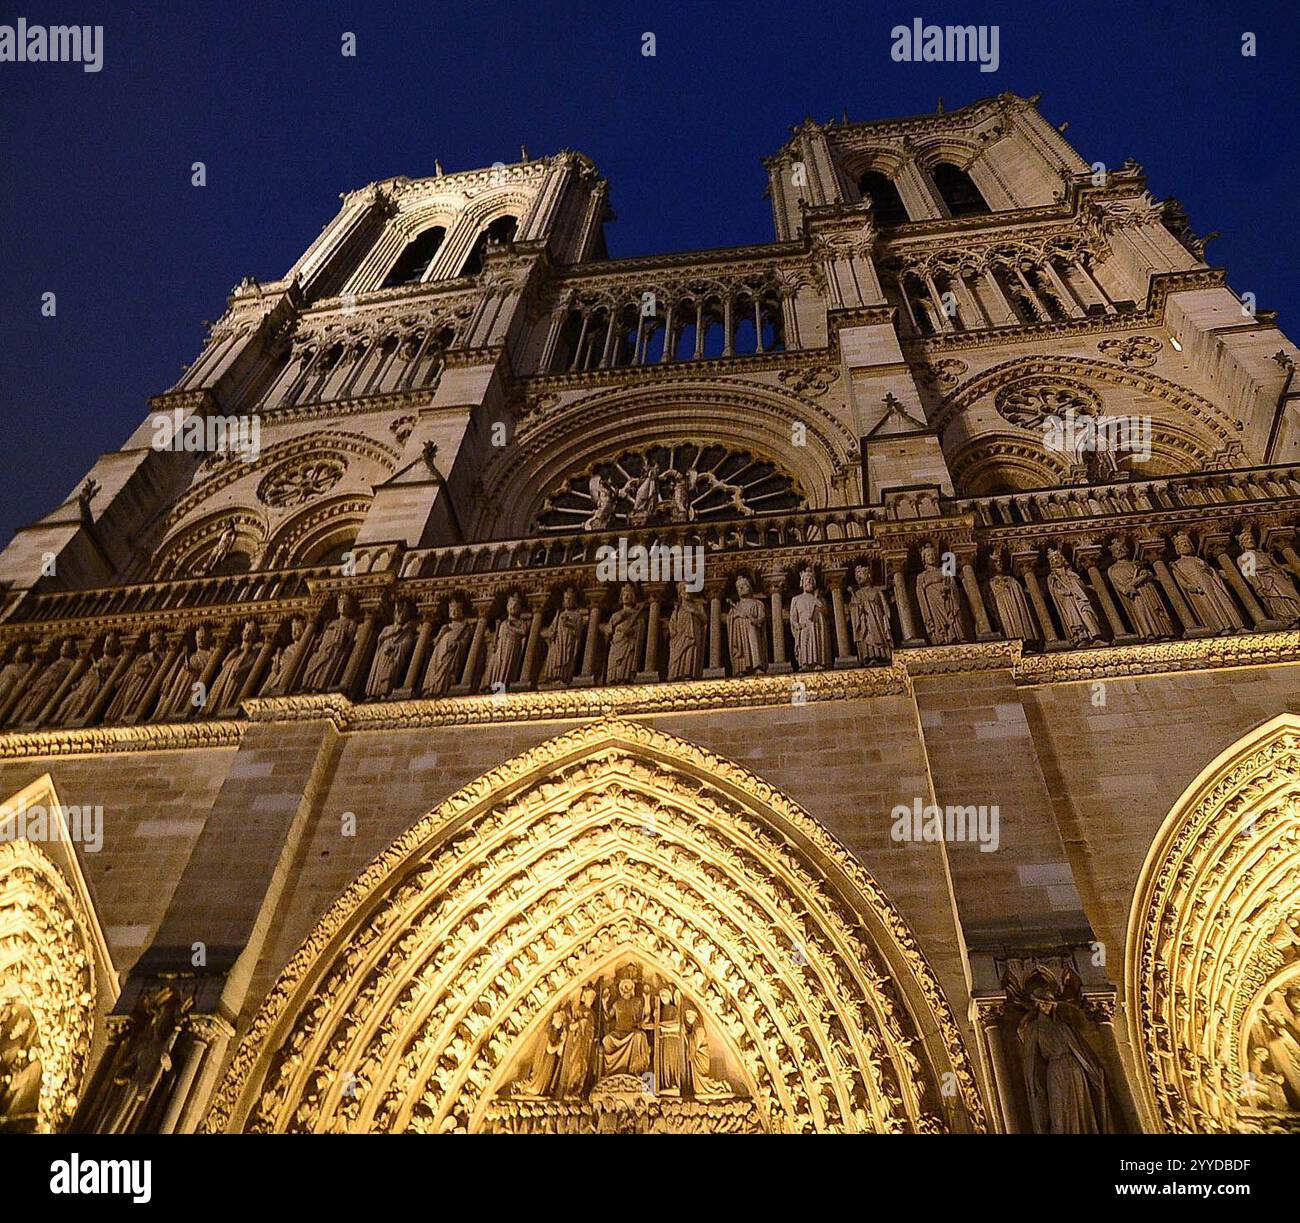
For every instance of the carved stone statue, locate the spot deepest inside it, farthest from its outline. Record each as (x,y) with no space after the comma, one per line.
(746,623)
(128,699)
(579,1045)
(1070,596)
(277,673)
(77,702)
(624,630)
(1204,588)
(810,625)
(392,652)
(626,1049)
(645,496)
(507,653)
(936,595)
(15,670)
(1064,1081)
(1272,585)
(869,618)
(20,1069)
(142,1070)
(46,684)
(221,549)
(687,627)
(447,660)
(235,668)
(329,659)
(562,636)
(545,1077)
(1137,589)
(605,499)
(1014,616)
(177,700)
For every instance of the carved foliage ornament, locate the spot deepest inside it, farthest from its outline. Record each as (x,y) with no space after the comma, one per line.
(1135,351)
(426,993)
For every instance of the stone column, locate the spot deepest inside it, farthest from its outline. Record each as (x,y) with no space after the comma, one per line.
(528,672)
(254,678)
(586,678)
(896,564)
(775,585)
(844,653)
(1244,594)
(1026,565)
(352,676)
(974,597)
(715,669)
(419,656)
(100,703)
(474,660)
(649,673)
(1088,555)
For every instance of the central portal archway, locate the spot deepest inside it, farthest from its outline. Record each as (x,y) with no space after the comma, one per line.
(616,930)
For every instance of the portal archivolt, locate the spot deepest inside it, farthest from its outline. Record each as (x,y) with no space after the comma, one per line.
(617,930)
(1214,946)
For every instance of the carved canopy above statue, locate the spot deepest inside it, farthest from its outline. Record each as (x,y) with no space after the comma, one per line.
(615,931)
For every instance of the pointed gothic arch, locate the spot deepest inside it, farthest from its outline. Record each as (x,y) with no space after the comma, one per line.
(54,964)
(614,844)
(1213,957)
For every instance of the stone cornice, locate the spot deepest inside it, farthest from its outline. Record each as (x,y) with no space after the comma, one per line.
(109,740)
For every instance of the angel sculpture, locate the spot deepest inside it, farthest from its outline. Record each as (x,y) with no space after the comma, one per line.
(604,498)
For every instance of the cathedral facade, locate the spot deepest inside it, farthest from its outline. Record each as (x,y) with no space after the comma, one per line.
(846,684)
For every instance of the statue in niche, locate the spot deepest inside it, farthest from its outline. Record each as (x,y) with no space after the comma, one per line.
(746,624)
(627,1051)
(1204,588)
(624,631)
(130,695)
(277,673)
(1064,1080)
(15,670)
(143,1064)
(686,635)
(178,699)
(447,659)
(1014,616)
(235,669)
(562,636)
(605,500)
(77,703)
(1272,585)
(936,595)
(645,496)
(221,549)
(507,652)
(810,625)
(869,618)
(329,660)
(1136,586)
(1078,617)
(392,652)
(20,1070)
(47,683)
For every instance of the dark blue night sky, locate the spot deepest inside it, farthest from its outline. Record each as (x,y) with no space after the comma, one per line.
(95,168)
